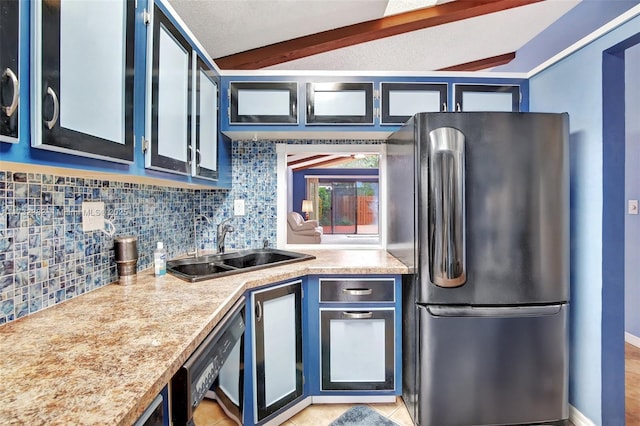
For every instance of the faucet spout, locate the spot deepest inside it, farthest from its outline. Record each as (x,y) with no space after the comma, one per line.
(195,231)
(221,233)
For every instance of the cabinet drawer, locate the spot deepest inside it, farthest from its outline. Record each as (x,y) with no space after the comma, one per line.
(357,290)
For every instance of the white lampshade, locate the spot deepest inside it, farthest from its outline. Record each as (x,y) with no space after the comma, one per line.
(307,206)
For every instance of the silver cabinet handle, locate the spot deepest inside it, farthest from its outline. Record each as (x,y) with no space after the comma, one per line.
(56,108)
(444,107)
(11,108)
(293,109)
(458,107)
(357,291)
(258,312)
(446,211)
(357,315)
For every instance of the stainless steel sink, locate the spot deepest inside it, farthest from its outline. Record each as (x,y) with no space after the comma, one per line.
(218,265)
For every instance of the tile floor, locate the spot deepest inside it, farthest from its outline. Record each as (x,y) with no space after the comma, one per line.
(209,413)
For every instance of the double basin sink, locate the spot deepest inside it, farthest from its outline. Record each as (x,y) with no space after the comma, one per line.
(219,265)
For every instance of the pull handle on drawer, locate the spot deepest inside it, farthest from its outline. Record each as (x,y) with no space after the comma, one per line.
(357,315)
(357,291)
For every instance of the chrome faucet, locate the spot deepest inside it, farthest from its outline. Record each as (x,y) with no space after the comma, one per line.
(195,232)
(221,233)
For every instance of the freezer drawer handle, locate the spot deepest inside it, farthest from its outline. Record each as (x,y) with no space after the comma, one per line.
(357,315)
(446,211)
(357,291)
(494,312)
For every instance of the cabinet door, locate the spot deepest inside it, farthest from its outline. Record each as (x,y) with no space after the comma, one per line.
(477,97)
(400,101)
(83,77)
(206,121)
(170,104)
(277,348)
(358,348)
(339,103)
(9,69)
(263,102)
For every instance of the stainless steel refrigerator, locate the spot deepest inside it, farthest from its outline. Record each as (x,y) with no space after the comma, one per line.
(479,211)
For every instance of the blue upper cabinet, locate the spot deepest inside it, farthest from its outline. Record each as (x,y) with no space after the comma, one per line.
(401,101)
(206,122)
(82,103)
(263,102)
(362,107)
(340,103)
(169,91)
(9,70)
(483,97)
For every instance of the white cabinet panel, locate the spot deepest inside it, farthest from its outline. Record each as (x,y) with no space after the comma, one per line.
(173,97)
(93,90)
(263,102)
(279,347)
(357,350)
(207,114)
(340,103)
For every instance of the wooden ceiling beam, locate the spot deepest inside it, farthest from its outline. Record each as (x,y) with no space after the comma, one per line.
(483,64)
(331,162)
(363,32)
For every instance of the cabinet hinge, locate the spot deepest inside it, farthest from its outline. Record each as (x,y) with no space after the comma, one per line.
(377,113)
(145,144)
(376,94)
(146,17)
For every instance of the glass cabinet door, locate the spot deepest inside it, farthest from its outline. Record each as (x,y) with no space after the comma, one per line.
(479,97)
(357,348)
(83,101)
(170,104)
(267,102)
(9,69)
(277,325)
(206,121)
(339,103)
(400,101)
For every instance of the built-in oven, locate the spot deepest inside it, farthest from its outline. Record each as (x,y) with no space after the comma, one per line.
(214,370)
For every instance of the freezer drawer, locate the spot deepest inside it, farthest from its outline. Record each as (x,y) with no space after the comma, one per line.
(492,366)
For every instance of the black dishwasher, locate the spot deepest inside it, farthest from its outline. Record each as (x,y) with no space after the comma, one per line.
(200,372)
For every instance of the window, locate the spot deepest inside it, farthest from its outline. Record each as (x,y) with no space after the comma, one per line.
(344,185)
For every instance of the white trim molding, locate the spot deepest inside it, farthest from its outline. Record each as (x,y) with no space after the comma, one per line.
(631,339)
(579,419)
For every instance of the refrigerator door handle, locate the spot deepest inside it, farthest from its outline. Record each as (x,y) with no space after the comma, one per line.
(446,211)
(493,312)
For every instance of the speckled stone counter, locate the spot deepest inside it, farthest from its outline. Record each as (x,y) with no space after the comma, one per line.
(101,358)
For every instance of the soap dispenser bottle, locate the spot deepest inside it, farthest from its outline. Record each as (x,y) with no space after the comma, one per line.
(159,260)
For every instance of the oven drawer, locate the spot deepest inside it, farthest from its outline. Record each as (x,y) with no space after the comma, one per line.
(350,290)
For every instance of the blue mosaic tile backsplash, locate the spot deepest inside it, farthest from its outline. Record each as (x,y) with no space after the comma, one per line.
(46,258)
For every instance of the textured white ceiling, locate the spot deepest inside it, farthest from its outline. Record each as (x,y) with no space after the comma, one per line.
(225,27)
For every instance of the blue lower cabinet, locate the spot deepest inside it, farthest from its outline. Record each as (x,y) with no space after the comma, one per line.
(355,335)
(274,357)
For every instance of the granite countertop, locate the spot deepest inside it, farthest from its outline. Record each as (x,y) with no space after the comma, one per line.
(102,357)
